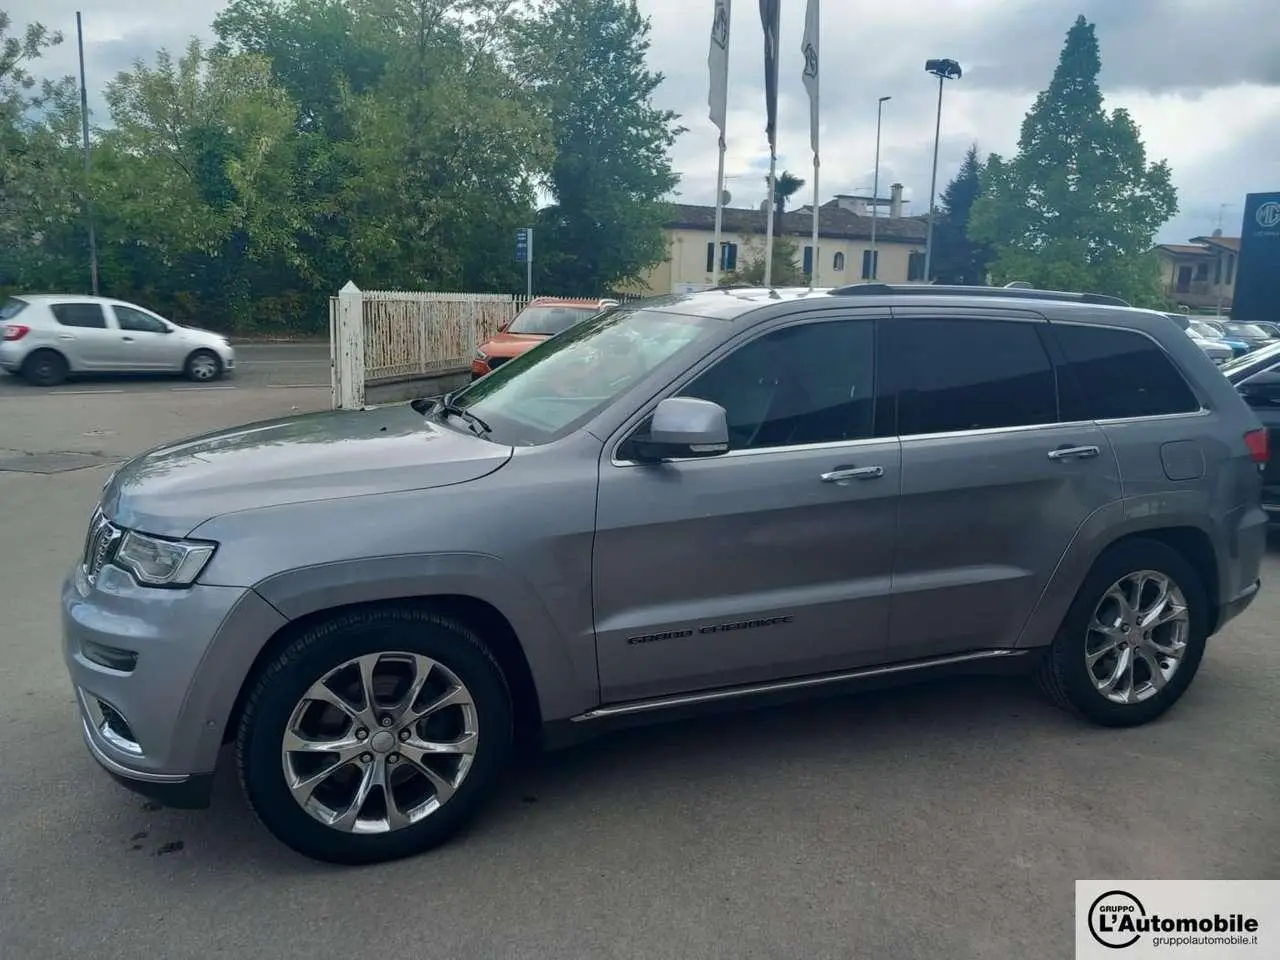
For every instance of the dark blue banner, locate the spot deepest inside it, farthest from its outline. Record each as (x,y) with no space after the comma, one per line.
(1257,291)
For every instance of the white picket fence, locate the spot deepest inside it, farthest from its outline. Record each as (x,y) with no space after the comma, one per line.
(381,335)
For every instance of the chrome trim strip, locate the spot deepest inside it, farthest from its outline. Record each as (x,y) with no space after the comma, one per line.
(119,769)
(764,451)
(731,693)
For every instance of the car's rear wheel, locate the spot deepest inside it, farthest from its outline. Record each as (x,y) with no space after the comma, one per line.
(1133,639)
(45,368)
(203,366)
(375,735)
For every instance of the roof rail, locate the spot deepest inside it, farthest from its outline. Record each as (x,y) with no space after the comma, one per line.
(935,290)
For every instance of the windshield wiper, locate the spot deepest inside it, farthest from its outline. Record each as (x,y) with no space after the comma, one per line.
(446,405)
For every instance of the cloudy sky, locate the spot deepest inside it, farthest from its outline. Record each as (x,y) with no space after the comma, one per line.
(1201,79)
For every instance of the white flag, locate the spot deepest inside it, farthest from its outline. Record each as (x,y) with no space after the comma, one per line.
(809,47)
(718,64)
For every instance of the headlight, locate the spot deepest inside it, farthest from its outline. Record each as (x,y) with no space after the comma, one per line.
(481,355)
(163,563)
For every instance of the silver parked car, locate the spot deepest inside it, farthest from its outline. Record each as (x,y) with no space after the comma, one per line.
(1215,350)
(699,501)
(47,338)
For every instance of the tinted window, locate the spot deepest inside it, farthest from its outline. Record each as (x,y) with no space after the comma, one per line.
(11,308)
(1121,373)
(79,315)
(804,384)
(131,319)
(548,321)
(952,375)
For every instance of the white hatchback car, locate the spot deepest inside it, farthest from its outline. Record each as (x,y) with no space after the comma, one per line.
(47,338)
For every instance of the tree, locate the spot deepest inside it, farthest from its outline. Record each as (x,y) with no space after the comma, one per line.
(1078,206)
(611,172)
(786,271)
(956,258)
(785,186)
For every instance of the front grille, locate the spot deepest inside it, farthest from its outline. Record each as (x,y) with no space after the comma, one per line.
(99,545)
(496,362)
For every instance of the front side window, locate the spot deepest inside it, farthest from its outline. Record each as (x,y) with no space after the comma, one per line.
(811,383)
(1121,373)
(86,315)
(131,319)
(548,321)
(549,391)
(955,375)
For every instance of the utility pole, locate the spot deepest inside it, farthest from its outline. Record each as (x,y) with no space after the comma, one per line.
(84,130)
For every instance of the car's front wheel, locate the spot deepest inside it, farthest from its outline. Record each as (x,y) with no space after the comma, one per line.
(375,735)
(202,366)
(1133,639)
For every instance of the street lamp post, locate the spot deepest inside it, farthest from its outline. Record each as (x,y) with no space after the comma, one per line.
(875,189)
(944,70)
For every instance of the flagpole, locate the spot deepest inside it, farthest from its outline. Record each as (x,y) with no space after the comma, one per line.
(716,254)
(768,228)
(813,259)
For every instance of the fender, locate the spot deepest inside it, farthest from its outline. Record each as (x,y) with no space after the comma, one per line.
(563,668)
(1102,528)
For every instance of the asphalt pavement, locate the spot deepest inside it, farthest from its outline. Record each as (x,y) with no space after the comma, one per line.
(943,821)
(287,365)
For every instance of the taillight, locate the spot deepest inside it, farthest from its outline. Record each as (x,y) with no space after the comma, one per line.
(1259,445)
(15,331)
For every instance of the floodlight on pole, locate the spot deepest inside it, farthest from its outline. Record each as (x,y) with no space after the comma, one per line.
(944,70)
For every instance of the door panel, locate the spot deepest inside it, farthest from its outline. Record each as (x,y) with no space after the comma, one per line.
(83,335)
(994,487)
(771,561)
(984,520)
(688,553)
(144,343)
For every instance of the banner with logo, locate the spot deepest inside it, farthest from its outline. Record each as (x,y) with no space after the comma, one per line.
(1257,278)
(718,64)
(770,13)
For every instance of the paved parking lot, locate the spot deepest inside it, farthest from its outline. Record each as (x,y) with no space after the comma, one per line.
(942,821)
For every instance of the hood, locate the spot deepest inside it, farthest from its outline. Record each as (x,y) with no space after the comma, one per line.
(171,490)
(510,344)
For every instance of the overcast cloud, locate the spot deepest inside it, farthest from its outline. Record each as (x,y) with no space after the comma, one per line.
(1201,79)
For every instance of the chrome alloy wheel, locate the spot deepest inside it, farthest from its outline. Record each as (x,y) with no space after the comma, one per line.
(1137,637)
(380,742)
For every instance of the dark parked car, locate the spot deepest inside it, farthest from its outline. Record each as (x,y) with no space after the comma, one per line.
(1256,377)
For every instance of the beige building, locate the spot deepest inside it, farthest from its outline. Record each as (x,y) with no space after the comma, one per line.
(844,244)
(1202,273)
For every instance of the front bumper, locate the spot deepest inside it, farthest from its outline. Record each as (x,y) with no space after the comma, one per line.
(156,674)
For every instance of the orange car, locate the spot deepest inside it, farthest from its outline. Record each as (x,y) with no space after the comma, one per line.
(542,318)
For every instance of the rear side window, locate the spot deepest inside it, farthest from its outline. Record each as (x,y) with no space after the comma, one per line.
(80,315)
(1121,373)
(953,375)
(11,308)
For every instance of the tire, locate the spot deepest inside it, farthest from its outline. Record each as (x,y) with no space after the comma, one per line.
(390,634)
(1065,675)
(45,368)
(203,366)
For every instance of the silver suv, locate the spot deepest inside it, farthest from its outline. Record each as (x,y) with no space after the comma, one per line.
(694,502)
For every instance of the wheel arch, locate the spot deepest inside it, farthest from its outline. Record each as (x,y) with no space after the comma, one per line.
(66,361)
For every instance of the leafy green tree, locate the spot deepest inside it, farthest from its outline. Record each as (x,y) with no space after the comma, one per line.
(586,62)
(956,258)
(1078,206)
(42,222)
(787,270)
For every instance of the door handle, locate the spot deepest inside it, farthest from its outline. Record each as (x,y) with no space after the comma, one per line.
(127,339)
(66,336)
(840,474)
(1074,453)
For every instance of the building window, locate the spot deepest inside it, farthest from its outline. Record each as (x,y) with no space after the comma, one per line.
(1202,271)
(915,267)
(1231,268)
(728,256)
(837,262)
(807,268)
(870,264)
(1217,269)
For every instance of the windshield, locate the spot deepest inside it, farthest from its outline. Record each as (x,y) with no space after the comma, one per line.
(1253,362)
(1207,330)
(1245,330)
(11,308)
(552,389)
(548,321)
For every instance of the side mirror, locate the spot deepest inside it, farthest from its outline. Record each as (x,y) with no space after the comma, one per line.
(503,328)
(684,427)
